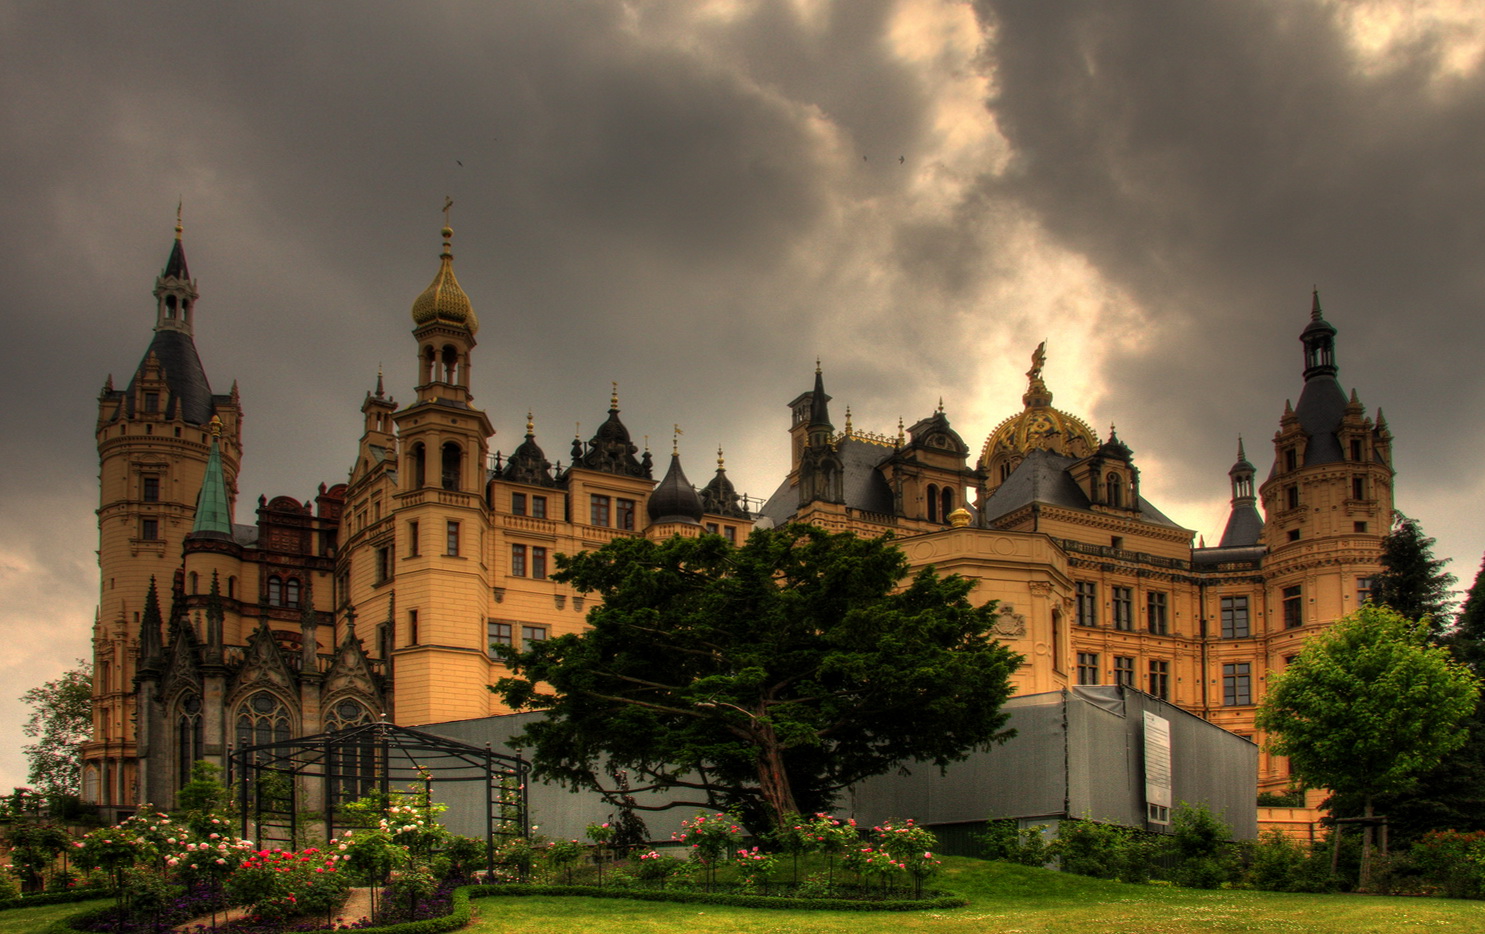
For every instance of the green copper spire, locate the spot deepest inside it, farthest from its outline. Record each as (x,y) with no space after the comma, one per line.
(213,515)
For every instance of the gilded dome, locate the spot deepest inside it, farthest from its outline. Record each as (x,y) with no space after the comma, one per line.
(443,301)
(1038,426)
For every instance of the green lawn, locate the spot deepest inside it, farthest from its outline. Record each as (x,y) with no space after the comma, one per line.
(1006,899)
(29,920)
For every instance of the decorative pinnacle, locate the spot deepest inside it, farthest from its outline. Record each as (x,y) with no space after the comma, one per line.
(675,440)
(613,398)
(530,425)
(940,405)
(178,228)
(647,444)
(216,427)
(719,457)
(901,438)
(1315,303)
(817,364)
(1241,455)
(848,421)
(577,431)
(379,391)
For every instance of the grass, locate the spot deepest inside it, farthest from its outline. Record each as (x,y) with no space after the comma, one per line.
(1006,899)
(29,920)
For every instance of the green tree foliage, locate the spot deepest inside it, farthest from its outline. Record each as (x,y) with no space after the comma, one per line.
(1468,638)
(1367,707)
(1412,581)
(61,721)
(762,679)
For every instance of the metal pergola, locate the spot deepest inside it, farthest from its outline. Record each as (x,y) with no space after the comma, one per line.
(374,758)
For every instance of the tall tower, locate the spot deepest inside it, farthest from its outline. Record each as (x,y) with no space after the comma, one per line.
(1327,499)
(426,568)
(154,441)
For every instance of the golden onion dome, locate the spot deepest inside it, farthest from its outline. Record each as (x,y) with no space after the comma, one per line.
(443,301)
(1038,426)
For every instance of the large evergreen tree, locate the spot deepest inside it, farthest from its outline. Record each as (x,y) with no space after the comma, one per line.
(766,677)
(1468,638)
(1412,581)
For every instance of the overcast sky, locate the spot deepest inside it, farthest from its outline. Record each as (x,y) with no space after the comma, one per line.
(696,199)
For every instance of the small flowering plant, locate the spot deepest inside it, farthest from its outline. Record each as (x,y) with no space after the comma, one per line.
(602,835)
(755,866)
(279,884)
(563,855)
(711,837)
(654,866)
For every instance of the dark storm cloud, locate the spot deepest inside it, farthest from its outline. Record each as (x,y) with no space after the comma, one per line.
(1216,160)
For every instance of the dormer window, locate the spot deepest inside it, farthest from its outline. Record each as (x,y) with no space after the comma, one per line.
(1113,491)
(1291,459)
(152,402)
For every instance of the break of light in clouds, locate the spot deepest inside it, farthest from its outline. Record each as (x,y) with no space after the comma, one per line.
(697,199)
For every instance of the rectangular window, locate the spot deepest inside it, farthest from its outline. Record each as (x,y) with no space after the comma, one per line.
(1294,535)
(1124,608)
(518,561)
(383,565)
(1363,589)
(412,539)
(729,532)
(453,538)
(625,515)
(1235,618)
(530,634)
(538,562)
(1359,527)
(1358,487)
(151,489)
(499,634)
(149,529)
(412,627)
(1124,670)
(152,402)
(1087,667)
(1356,449)
(598,509)
(1155,613)
(1291,459)
(1160,679)
(1291,497)
(538,507)
(1237,685)
(1293,607)
(713,528)
(1087,603)
(518,504)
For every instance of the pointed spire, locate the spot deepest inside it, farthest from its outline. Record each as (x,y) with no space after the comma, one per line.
(213,510)
(215,617)
(1315,304)
(674,498)
(151,643)
(175,293)
(380,392)
(175,266)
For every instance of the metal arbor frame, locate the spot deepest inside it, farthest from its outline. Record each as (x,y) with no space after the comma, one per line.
(376,757)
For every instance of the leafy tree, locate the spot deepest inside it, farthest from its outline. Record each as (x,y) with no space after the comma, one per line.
(61,720)
(1412,581)
(1367,707)
(763,678)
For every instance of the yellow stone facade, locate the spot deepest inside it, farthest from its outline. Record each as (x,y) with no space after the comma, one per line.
(382,596)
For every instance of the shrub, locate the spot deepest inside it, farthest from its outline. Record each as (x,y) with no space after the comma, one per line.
(655,866)
(1199,842)
(9,888)
(1005,840)
(1089,848)
(1278,864)
(1452,861)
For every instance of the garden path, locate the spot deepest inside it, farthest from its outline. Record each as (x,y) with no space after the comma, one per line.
(357,906)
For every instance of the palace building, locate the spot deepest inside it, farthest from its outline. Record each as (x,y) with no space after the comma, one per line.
(382,596)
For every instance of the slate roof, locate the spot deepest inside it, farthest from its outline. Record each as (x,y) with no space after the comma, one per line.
(1244,526)
(1043,478)
(184,375)
(863,486)
(1322,404)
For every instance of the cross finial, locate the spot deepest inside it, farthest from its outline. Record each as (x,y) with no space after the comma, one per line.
(675,440)
(448,204)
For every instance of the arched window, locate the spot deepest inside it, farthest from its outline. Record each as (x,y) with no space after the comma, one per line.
(453,460)
(948,498)
(275,591)
(195,584)
(262,718)
(450,364)
(427,368)
(932,502)
(291,592)
(90,784)
(189,741)
(1113,491)
(417,461)
(354,765)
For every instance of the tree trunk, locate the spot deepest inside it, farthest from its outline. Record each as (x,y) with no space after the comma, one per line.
(1366,848)
(773,780)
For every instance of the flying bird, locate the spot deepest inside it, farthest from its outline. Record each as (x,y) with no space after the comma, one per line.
(901,159)
(458,163)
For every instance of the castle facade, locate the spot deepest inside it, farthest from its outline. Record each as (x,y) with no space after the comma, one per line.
(382,596)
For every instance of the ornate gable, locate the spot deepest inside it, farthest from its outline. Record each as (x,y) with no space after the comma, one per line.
(263,662)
